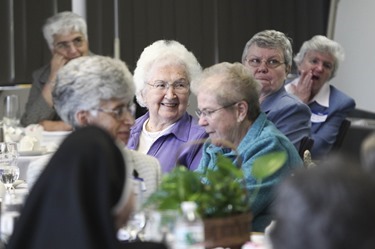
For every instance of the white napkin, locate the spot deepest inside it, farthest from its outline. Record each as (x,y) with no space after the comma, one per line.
(13,134)
(32,138)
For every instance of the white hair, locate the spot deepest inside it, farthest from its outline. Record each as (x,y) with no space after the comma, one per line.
(163,52)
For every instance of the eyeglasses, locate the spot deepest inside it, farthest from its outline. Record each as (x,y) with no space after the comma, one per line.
(316,61)
(179,86)
(66,45)
(208,113)
(270,63)
(119,112)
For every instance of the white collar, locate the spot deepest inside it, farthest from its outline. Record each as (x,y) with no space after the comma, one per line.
(322,97)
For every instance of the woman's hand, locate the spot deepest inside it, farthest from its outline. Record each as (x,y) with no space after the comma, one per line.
(303,88)
(57,62)
(49,125)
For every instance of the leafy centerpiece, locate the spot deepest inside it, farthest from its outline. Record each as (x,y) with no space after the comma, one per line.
(219,194)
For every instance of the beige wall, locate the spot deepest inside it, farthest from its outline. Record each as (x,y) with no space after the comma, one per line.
(355,32)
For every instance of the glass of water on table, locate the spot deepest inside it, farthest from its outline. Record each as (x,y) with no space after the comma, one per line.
(9,171)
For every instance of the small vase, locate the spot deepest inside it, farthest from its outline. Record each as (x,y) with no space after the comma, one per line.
(232,231)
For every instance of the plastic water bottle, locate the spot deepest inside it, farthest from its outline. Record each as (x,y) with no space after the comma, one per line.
(189,228)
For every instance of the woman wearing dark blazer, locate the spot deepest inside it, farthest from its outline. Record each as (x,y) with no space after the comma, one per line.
(317,62)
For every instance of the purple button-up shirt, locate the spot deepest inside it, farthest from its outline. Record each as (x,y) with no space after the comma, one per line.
(173,148)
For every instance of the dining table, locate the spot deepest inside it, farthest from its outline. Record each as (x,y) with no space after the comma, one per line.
(49,142)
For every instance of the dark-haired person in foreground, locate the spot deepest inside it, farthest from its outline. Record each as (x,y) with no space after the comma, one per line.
(327,207)
(80,200)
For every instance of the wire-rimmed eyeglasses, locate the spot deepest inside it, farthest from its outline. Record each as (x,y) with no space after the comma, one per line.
(66,45)
(179,86)
(270,63)
(208,113)
(119,112)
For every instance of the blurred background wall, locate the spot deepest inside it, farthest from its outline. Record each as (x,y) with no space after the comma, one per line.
(355,31)
(214,30)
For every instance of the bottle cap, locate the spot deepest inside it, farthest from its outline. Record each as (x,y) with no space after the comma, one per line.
(188,206)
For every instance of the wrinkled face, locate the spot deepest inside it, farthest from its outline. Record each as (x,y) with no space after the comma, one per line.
(268,68)
(321,65)
(115,117)
(219,122)
(166,104)
(70,45)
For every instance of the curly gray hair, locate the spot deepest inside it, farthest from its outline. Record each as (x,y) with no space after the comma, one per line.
(86,81)
(63,23)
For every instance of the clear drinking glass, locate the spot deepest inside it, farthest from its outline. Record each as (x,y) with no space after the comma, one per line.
(9,171)
(12,110)
(135,225)
(11,118)
(133,229)
(160,226)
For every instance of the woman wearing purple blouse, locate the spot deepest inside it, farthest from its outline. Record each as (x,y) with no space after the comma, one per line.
(167,131)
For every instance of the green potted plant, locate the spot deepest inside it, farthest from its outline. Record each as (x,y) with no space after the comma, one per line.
(221,197)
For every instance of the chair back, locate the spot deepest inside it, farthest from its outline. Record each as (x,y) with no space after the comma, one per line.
(305,144)
(343,130)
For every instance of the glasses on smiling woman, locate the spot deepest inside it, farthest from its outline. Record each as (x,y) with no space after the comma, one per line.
(208,113)
(120,112)
(179,86)
(270,63)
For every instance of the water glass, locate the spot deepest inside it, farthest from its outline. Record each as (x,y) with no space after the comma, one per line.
(160,226)
(9,171)
(133,229)
(11,119)
(12,109)
(134,226)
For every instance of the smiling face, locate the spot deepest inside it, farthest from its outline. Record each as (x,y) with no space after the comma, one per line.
(271,79)
(118,127)
(166,106)
(321,65)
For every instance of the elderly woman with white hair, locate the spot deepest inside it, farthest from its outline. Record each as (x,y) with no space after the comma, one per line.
(228,102)
(66,37)
(99,91)
(317,62)
(167,131)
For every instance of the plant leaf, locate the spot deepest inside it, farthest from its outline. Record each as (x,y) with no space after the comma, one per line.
(267,165)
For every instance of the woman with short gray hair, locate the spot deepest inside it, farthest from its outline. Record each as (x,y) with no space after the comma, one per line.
(288,113)
(63,23)
(66,37)
(228,109)
(317,62)
(84,85)
(271,39)
(99,91)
